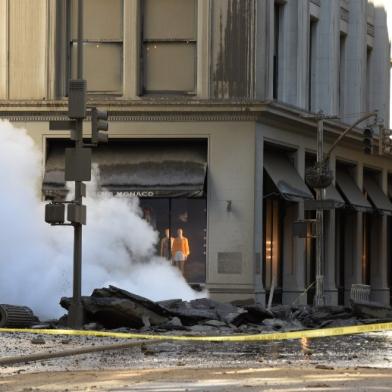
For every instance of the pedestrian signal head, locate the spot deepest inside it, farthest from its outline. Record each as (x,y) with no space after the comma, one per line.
(367,140)
(99,126)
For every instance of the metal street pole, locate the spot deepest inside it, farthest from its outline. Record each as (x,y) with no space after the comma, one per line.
(75,316)
(319,299)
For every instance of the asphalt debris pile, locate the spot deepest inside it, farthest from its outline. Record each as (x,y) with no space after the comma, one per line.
(117,309)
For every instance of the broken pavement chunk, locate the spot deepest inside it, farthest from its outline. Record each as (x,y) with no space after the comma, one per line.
(114,312)
(371,310)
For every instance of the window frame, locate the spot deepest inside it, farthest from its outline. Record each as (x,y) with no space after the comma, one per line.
(143,41)
(69,46)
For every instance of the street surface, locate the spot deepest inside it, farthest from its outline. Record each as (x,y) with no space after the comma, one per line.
(349,363)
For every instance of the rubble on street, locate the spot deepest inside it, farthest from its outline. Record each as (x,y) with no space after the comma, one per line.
(117,309)
(114,309)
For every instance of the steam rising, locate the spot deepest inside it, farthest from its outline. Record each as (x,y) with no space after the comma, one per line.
(36,259)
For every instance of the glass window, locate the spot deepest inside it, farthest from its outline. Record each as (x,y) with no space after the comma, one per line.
(272,258)
(102,66)
(169,46)
(103,44)
(185,218)
(169,67)
(169,19)
(102,19)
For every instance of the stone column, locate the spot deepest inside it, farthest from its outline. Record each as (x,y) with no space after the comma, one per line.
(53,48)
(258,218)
(131,49)
(378,260)
(264,45)
(294,247)
(302,53)
(295,49)
(353,235)
(380,67)
(354,90)
(330,290)
(4,40)
(327,58)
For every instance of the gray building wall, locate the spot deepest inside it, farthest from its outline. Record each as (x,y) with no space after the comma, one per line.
(233,106)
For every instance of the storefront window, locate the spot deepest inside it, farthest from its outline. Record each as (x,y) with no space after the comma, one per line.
(340,251)
(184,221)
(366,224)
(310,249)
(272,265)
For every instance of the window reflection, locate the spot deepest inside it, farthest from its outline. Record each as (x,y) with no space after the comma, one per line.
(181,224)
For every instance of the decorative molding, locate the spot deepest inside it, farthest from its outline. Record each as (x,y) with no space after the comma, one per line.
(132,116)
(370,29)
(344,4)
(344,14)
(267,112)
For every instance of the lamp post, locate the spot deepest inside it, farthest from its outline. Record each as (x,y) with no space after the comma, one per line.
(323,178)
(321,170)
(76,308)
(319,299)
(78,169)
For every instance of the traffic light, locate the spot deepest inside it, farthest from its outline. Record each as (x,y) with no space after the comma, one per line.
(385,141)
(99,126)
(368,140)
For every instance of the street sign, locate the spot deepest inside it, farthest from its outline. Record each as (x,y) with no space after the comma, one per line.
(61,125)
(55,213)
(311,205)
(76,213)
(77,164)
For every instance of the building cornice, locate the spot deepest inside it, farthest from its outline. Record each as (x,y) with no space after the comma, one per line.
(177,110)
(139,110)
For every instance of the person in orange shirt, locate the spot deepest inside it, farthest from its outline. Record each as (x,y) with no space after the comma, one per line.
(180,251)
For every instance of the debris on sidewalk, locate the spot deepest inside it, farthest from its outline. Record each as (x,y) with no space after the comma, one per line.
(115,308)
(368,309)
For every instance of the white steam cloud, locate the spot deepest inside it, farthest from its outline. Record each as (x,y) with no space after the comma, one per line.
(36,259)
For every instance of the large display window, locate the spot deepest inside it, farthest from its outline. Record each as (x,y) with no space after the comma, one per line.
(272,257)
(182,226)
(168,175)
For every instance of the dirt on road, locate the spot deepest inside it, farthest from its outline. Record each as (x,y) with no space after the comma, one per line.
(213,379)
(348,363)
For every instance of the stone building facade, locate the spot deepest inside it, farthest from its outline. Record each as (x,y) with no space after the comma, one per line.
(206,100)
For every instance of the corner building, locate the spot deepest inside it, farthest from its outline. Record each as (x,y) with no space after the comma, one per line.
(206,101)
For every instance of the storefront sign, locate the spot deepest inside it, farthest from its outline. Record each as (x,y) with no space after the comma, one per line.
(135,194)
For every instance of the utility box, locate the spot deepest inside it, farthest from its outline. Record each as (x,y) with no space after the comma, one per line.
(77,99)
(55,213)
(77,213)
(306,228)
(78,164)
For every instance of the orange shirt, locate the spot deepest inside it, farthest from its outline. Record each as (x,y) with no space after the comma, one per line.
(180,245)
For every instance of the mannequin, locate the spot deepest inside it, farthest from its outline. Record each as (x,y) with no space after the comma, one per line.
(149,217)
(165,247)
(180,251)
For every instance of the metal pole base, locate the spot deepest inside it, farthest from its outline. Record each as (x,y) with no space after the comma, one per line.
(319,299)
(76,315)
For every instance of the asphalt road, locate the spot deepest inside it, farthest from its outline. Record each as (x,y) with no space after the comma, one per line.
(349,363)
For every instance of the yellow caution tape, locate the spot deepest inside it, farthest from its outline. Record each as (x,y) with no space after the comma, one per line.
(311,333)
